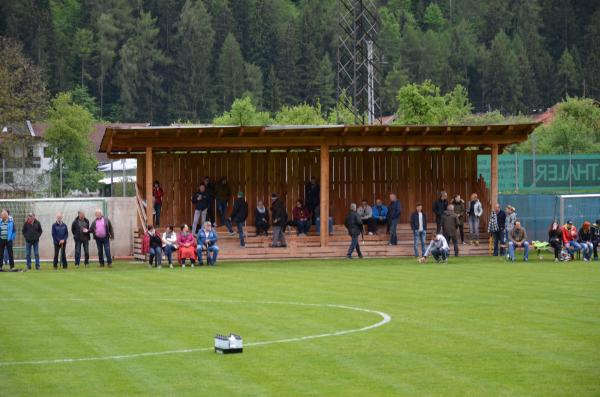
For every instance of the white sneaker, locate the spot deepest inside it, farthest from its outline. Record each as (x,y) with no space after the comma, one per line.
(159,266)
(370,233)
(183,266)
(192,265)
(171,266)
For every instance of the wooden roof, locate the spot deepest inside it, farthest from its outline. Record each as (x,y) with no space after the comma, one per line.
(128,141)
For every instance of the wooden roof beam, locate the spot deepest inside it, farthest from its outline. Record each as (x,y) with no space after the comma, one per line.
(199,132)
(406,131)
(425,131)
(241,132)
(467,131)
(221,132)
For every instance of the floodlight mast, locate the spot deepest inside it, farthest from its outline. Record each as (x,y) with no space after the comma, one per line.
(358,63)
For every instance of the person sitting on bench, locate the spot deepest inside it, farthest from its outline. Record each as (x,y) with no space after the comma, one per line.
(518,239)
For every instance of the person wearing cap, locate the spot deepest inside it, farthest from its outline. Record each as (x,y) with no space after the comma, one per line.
(438,247)
(596,237)
(570,237)
(207,242)
(585,240)
(518,239)
(238,215)
(32,231)
(279,220)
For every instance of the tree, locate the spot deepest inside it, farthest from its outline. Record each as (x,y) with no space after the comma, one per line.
(243,112)
(592,64)
(324,83)
(433,18)
(272,91)
(253,83)
(68,138)
(140,82)
(192,97)
(341,113)
(567,76)
(84,45)
(231,71)
(23,94)
(66,17)
(81,96)
(303,114)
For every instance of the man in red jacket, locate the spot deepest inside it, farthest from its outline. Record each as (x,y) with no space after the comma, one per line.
(569,233)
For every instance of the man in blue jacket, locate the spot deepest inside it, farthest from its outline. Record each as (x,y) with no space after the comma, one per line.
(60,234)
(418,224)
(380,212)
(207,241)
(8,233)
(394,211)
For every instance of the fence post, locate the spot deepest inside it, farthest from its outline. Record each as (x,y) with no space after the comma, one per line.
(516,172)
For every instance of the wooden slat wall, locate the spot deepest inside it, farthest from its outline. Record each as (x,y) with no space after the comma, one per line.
(415,176)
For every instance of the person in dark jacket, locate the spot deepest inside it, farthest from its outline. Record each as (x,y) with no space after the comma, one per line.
(461,211)
(279,221)
(312,197)
(261,219)
(585,240)
(201,201)
(418,224)
(596,237)
(154,248)
(301,217)
(210,191)
(32,231)
(496,229)
(555,239)
(80,228)
(394,211)
(238,215)
(450,226)
(354,226)
(439,207)
(102,230)
(222,194)
(60,233)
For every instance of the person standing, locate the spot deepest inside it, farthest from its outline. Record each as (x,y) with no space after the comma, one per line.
(8,233)
(102,230)
(312,197)
(450,227)
(200,199)
(261,219)
(366,216)
(169,244)
(354,226)
(596,237)
(279,215)
(60,233)
(210,191)
(32,231)
(555,239)
(461,211)
(222,194)
(511,219)
(157,194)
(475,212)
(238,215)
(496,226)
(439,206)
(207,242)
(418,224)
(154,248)
(438,248)
(394,211)
(518,238)
(80,228)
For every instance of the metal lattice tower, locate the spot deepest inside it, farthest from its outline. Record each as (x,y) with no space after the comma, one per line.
(358,63)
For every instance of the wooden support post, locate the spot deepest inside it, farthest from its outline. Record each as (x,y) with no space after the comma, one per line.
(324,195)
(149,179)
(494,176)
(249,187)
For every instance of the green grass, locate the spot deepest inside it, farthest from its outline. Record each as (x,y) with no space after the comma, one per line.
(480,327)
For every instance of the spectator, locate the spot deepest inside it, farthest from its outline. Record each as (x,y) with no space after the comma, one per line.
(394,211)
(366,216)
(570,238)
(201,201)
(80,228)
(155,248)
(475,212)
(207,242)
(222,194)
(210,191)
(169,244)
(511,218)
(450,227)
(187,246)
(439,206)
(279,215)
(461,211)
(555,239)
(8,233)
(301,217)
(238,215)
(438,247)
(518,239)
(585,240)
(318,221)
(496,226)
(102,229)
(312,196)
(5,258)
(261,219)
(32,231)
(380,212)
(157,193)
(418,224)
(60,233)
(596,237)
(354,226)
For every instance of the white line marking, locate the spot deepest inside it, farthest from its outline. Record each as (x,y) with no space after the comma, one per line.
(385,318)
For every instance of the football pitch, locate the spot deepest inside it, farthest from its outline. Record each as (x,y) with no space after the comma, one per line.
(379,327)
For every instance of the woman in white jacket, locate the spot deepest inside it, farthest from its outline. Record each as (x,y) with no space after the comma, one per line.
(474,211)
(169,240)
